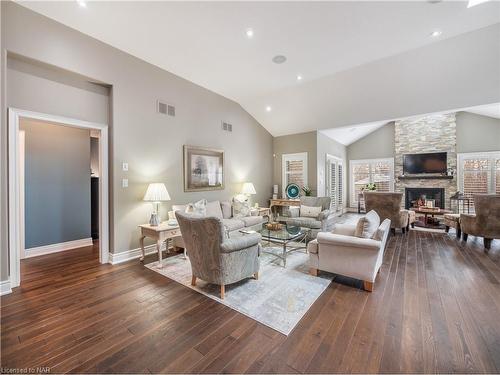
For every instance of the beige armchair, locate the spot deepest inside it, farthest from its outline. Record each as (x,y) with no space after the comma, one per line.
(342,253)
(214,257)
(486,222)
(387,206)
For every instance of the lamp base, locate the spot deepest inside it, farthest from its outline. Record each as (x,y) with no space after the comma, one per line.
(154,220)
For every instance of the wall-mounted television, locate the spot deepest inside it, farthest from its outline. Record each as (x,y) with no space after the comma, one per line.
(425,163)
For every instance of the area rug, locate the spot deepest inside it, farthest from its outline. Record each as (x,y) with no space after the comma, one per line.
(279,299)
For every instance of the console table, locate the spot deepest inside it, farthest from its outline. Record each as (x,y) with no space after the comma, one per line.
(283,203)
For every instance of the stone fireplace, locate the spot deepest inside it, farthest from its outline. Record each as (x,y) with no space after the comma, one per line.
(434,133)
(413,195)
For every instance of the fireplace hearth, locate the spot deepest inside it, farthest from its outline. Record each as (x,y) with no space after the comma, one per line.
(414,196)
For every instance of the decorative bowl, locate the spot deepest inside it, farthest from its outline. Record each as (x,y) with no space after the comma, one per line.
(274,226)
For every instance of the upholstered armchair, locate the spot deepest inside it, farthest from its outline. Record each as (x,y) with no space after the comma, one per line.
(322,222)
(387,206)
(214,257)
(486,222)
(343,253)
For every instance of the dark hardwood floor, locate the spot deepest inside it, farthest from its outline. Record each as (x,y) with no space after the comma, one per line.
(435,308)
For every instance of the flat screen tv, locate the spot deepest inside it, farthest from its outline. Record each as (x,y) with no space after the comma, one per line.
(424,163)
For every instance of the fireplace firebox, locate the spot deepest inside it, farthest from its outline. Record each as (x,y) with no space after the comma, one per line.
(414,195)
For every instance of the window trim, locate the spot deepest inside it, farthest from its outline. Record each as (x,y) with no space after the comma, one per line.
(461,157)
(353,200)
(293,156)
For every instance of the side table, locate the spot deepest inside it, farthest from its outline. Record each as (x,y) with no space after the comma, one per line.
(160,234)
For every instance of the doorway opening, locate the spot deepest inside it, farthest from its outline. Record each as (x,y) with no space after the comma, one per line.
(58,187)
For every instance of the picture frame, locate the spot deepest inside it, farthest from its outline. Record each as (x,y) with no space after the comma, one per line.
(203,169)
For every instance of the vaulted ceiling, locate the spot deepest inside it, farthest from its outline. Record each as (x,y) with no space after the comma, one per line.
(207,43)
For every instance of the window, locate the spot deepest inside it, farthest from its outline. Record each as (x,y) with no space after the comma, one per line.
(377,171)
(335,182)
(479,173)
(294,168)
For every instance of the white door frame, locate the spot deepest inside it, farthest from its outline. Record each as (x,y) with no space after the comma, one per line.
(14,200)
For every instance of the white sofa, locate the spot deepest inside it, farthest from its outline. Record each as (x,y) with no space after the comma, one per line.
(341,252)
(224,211)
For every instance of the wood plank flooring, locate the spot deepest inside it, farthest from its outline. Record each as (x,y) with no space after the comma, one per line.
(435,308)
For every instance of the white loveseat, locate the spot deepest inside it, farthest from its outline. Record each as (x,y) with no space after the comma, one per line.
(222,210)
(341,252)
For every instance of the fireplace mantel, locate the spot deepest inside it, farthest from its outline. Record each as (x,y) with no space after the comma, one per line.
(425,177)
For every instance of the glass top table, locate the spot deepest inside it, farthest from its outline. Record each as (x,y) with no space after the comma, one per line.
(284,237)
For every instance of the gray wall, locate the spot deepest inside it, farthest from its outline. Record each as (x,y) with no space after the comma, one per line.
(379,144)
(477,133)
(57,183)
(291,144)
(149,142)
(327,146)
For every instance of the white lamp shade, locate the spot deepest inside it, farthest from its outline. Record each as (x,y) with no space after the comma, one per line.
(157,192)
(248,188)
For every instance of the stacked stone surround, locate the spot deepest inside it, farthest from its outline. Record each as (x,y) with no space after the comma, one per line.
(434,133)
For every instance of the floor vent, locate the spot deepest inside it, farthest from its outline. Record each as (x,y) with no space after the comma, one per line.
(165,108)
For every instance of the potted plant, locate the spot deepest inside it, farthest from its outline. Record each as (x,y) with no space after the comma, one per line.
(370,187)
(307,191)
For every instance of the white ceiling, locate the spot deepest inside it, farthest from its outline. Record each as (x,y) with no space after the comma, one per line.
(350,134)
(490,110)
(205,42)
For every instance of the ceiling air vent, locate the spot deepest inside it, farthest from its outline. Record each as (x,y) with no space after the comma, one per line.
(165,108)
(227,126)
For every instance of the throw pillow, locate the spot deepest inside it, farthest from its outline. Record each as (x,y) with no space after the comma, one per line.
(199,208)
(226,209)
(367,225)
(306,211)
(241,208)
(213,209)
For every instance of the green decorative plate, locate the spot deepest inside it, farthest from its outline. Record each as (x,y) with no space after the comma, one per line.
(292,191)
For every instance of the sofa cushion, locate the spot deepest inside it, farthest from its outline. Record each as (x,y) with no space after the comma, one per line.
(226,209)
(233,224)
(367,225)
(214,209)
(179,207)
(199,208)
(307,211)
(306,222)
(252,220)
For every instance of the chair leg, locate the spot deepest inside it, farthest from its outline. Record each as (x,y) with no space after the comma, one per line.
(446,228)
(368,286)
(464,236)
(313,271)
(256,276)
(413,225)
(459,233)
(487,243)
(222,291)
(403,230)
(393,231)
(193,280)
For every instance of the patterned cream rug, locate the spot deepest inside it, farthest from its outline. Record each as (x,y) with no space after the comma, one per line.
(279,299)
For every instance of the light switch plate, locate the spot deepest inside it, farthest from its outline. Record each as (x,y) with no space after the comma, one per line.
(125,182)
(125,167)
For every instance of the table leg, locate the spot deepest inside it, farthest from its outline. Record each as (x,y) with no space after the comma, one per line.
(158,247)
(284,254)
(142,248)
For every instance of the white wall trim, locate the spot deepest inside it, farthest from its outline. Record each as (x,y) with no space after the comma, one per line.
(125,256)
(57,247)
(5,287)
(14,222)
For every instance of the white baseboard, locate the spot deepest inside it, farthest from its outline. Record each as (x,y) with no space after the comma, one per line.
(5,287)
(124,256)
(54,248)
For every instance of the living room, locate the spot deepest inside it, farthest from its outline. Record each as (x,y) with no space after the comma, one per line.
(279,191)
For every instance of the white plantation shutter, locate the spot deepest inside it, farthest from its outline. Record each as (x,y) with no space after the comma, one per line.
(340,190)
(294,170)
(377,171)
(335,182)
(479,173)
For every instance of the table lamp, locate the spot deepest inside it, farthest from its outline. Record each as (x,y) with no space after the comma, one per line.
(248,189)
(156,193)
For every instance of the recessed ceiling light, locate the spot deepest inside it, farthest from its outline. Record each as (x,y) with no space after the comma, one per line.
(473,3)
(268,109)
(436,33)
(82,3)
(249,33)
(299,77)
(279,59)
